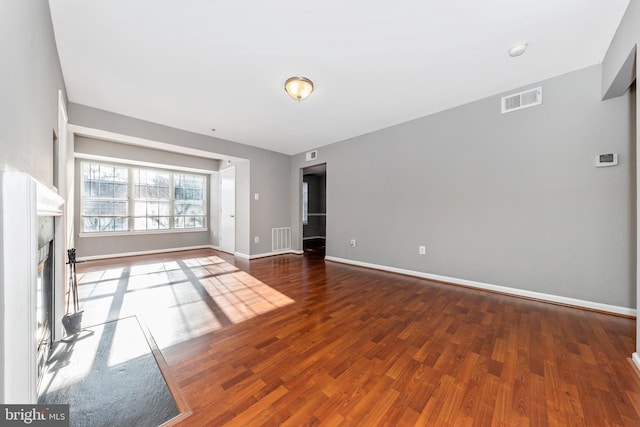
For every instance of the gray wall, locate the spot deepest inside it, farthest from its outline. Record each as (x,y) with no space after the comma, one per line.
(264,172)
(91,246)
(511,200)
(115,150)
(31,77)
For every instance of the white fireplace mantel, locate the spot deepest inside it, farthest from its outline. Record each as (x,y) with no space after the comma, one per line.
(22,200)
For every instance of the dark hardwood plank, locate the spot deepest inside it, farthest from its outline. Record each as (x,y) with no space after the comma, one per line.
(292,340)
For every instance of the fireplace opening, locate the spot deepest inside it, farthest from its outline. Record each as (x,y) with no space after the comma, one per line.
(44,292)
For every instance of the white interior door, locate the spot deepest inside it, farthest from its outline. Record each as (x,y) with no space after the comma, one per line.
(228,210)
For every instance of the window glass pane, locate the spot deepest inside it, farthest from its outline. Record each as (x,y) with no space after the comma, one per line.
(139,208)
(91,224)
(152,208)
(163,208)
(107,224)
(157,223)
(99,207)
(189,222)
(150,184)
(121,190)
(152,223)
(105,192)
(188,187)
(189,208)
(140,224)
(190,203)
(121,224)
(163,222)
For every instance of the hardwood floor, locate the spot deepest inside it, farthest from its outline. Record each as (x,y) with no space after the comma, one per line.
(292,341)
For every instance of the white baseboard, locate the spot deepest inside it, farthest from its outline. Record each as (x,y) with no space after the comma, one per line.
(495,288)
(241,255)
(267,254)
(635,357)
(151,252)
(188,248)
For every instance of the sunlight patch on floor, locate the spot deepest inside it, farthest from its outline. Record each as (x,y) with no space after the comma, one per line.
(178,300)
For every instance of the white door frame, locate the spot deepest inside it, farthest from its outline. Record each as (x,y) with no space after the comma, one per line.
(64,224)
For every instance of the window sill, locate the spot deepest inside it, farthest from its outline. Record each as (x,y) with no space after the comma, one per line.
(141,233)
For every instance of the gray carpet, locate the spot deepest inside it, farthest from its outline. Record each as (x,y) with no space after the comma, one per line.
(109,377)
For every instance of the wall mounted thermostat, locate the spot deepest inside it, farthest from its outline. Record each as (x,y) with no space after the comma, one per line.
(607,159)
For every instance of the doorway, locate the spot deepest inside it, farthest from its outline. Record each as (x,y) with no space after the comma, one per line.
(228,210)
(314,210)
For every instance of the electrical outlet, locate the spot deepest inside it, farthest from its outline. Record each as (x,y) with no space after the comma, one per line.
(256,196)
(353,242)
(422,250)
(256,239)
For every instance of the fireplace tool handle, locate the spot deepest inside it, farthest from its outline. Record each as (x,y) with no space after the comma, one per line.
(73,283)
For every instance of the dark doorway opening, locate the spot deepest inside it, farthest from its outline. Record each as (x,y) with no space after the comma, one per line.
(314,210)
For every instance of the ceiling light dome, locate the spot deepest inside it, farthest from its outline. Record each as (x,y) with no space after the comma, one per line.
(518,49)
(298,87)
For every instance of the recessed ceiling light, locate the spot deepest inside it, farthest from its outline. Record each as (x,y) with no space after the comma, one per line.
(213,130)
(518,49)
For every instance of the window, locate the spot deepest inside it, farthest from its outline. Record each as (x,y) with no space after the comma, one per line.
(305,202)
(105,198)
(189,201)
(124,199)
(151,200)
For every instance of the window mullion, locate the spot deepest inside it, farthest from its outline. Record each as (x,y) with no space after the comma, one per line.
(131,201)
(205,189)
(172,193)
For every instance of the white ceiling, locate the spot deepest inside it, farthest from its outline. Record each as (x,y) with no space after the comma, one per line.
(202,64)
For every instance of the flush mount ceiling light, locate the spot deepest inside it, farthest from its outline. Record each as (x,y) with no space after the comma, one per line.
(298,87)
(518,49)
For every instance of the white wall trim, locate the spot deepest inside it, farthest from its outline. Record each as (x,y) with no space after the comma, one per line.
(267,254)
(18,276)
(495,288)
(151,252)
(635,357)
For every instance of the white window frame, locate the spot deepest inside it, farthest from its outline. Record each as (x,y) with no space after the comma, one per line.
(131,201)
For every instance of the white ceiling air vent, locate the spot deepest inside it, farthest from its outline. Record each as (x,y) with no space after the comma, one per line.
(518,101)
